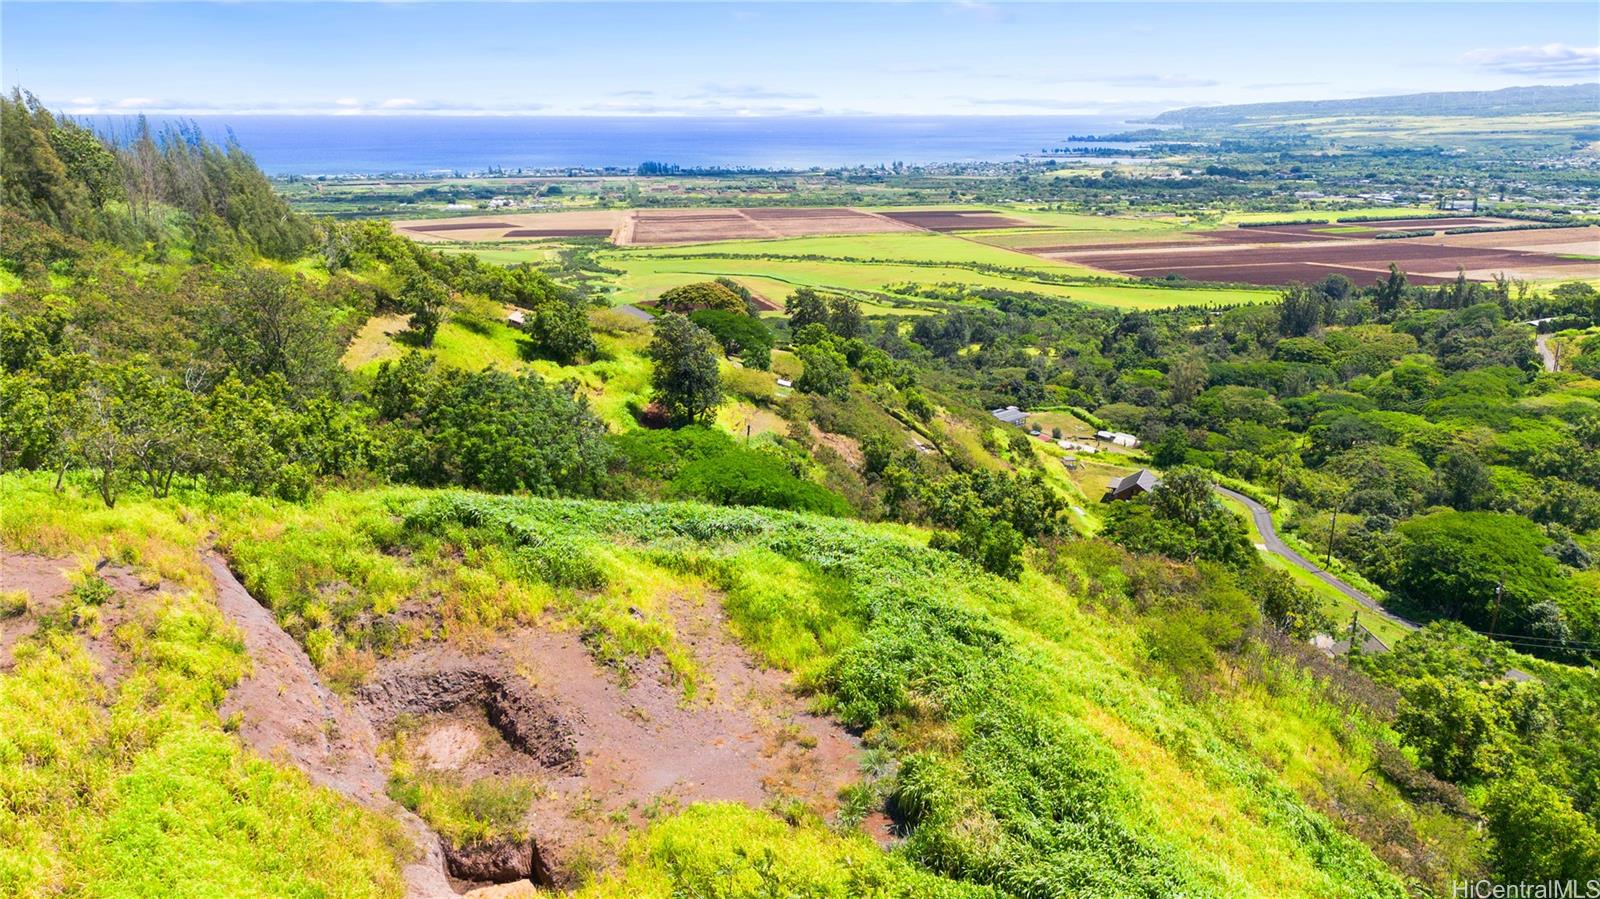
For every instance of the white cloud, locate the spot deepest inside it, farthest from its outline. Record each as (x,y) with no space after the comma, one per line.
(1555,60)
(398,103)
(746,92)
(1274,85)
(1065,107)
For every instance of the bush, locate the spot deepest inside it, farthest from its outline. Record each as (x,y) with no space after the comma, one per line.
(741,477)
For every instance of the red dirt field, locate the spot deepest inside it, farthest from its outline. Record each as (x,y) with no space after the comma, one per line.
(559,232)
(955,220)
(460,226)
(668,226)
(1280,254)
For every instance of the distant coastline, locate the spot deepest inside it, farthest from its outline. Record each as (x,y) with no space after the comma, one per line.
(392,145)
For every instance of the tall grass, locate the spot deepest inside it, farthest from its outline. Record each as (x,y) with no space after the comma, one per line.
(1040,750)
(124,783)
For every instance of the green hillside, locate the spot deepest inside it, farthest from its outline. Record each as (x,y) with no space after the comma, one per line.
(337,565)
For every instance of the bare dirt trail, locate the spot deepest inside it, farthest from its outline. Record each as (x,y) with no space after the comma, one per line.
(285,711)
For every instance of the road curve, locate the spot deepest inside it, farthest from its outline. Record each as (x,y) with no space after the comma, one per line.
(1542,344)
(1275,545)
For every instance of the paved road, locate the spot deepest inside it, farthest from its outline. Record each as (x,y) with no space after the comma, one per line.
(1541,342)
(1275,544)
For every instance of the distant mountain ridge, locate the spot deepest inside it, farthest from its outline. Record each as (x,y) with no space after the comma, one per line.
(1503,102)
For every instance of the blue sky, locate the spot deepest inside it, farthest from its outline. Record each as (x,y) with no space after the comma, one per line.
(772,58)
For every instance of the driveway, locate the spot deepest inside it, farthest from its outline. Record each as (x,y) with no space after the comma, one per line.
(1275,545)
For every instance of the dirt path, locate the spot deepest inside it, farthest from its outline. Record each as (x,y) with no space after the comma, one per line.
(285,712)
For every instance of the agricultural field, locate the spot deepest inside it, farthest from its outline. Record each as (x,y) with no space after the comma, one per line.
(1278,254)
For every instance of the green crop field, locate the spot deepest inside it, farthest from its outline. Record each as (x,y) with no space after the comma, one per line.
(646,276)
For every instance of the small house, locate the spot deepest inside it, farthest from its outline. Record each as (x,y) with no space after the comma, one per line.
(785,382)
(516,319)
(1010,415)
(1118,438)
(1129,486)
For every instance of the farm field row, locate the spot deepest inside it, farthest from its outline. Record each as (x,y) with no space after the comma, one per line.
(646,276)
(1307,252)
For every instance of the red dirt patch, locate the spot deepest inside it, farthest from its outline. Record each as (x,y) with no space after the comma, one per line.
(956,220)
(45,582)
(641,748)
(284,711)
(666,226)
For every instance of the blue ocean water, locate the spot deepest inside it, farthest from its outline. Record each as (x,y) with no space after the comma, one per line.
(335,145)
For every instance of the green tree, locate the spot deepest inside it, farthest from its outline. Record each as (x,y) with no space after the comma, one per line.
(740,335)
(702,295)
(425,297)
(1171,450)
(1538,836)
(687,382)
(559,330)
(1453,563)
(845,318)
(806,307)
(1181,519)
(263,323)
(1459,733)
(491,430)
(826,371)
(1461,480)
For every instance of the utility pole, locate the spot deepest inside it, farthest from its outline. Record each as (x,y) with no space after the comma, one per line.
(1333,522)
(1494,620)
(1276,503)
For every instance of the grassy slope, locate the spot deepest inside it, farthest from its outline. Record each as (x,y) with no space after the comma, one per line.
(619,377)
(133,788)
(1038,751)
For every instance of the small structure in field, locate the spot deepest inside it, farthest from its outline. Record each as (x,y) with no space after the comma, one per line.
(1010,415)
(1129,486)
(1367,641)
(785,382)
(1086,449)
(1071,462)
(1118,438)
(516,319)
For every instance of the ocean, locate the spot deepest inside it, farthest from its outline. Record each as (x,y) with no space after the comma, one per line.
(345,145)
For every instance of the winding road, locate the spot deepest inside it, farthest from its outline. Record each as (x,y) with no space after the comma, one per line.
(1275,545)
(1541,342)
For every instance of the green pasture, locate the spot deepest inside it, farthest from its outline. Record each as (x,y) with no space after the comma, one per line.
(645,277)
